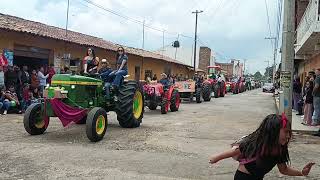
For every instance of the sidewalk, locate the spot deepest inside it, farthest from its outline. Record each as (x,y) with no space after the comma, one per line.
(296,122)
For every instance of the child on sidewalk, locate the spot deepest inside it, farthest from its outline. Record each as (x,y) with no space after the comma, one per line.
(260,151)
(308,103)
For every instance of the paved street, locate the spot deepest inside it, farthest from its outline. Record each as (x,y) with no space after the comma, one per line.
(172,146)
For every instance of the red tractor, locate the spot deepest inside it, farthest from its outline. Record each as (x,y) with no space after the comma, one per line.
(217,81)
(238,85)
(158,95)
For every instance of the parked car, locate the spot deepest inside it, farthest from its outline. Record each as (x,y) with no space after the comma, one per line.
(268,87)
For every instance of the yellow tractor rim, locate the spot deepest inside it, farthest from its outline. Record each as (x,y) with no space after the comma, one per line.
(137,105)
(39,123)
(100,124)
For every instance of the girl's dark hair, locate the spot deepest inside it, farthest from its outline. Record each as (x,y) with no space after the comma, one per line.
(265,140)
(93,53)
(118,52)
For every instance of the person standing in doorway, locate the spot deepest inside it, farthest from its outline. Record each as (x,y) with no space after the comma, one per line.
(316,99)
(43,80)
(24,76)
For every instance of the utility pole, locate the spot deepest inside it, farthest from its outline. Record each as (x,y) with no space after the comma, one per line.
(144,21)
(274,57)
(142,70)
(163,42)
(287,58)
(268,70)
(195,40)
(67,20)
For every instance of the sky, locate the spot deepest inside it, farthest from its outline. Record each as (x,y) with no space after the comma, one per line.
(231,28)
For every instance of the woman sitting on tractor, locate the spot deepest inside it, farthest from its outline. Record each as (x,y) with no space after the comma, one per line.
(91,62)
(122,68)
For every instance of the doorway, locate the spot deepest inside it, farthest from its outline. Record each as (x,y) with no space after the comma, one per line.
(137,73)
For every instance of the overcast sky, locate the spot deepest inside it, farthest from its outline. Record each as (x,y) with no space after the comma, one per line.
(231,28)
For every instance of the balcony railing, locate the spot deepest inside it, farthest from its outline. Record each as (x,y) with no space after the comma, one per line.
(308,20)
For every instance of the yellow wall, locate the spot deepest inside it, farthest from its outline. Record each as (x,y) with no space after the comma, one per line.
(58,48)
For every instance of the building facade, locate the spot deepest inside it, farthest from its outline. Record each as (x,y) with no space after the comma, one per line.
(35,44)
(307,44)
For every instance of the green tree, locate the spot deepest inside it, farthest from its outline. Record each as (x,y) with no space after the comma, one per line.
(268,73)
(257,75)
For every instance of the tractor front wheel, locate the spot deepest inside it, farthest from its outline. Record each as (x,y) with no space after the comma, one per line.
(222,90)
(96,124)
(206,92)
(164,106)
(198,95)
(34,121)
(175,101)
(152,105)
(130,105)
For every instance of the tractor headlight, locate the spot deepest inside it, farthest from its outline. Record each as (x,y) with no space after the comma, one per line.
(73,86)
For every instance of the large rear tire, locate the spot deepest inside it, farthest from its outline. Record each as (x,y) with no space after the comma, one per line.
(96,124)
(33,120)
(198,95)
(206,92)
(175,101)
(130,105)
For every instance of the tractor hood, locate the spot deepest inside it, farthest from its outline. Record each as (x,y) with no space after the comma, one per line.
(67,79)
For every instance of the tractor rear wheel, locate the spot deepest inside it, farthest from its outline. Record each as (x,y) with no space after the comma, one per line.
(130,105)
(152,105)
(206,92)
(198,95)
(96,124)
(175,101)
(33,120)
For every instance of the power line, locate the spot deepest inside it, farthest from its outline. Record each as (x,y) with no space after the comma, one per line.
(131,19)
(268,20)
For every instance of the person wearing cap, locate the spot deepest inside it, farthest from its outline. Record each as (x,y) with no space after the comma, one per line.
(104,72)
(164,80)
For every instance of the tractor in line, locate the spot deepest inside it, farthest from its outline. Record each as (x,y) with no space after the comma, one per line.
(81,99)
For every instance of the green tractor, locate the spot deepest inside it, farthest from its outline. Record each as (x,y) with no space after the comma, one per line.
(82,100)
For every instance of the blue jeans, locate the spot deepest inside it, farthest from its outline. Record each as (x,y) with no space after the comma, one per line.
(5,105)
(316,112)
(118,76)
(107,89)
(105,76)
